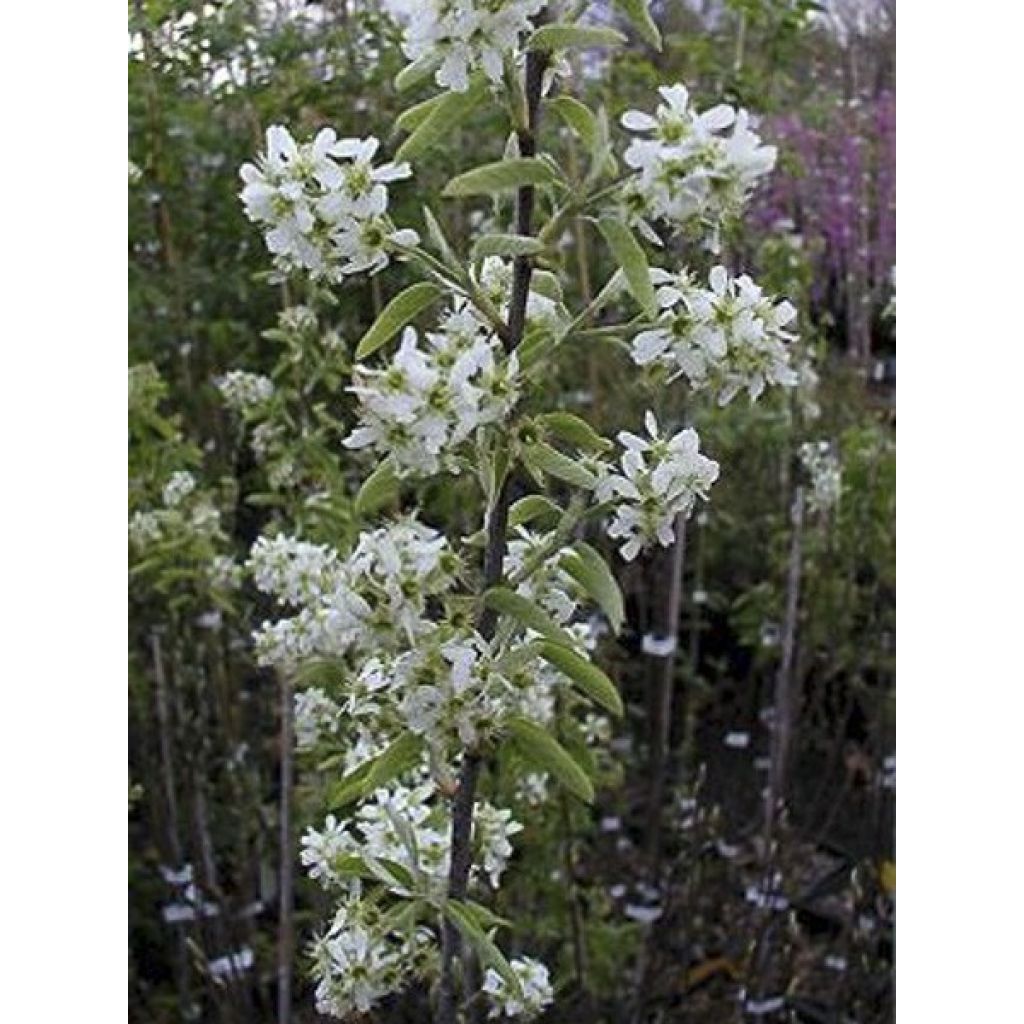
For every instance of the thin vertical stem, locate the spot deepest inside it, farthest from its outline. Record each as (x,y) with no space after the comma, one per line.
(494,558)
(286,899)
(661,726)
(785,705)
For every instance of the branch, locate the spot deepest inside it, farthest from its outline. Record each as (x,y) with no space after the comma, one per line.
(494,559)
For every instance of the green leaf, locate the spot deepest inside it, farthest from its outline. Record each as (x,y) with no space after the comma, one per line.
(440,240)
(412,117)
(542,458)
(485,917)
(578,117)
(378,771)
(377,489)
(506,245)
(638,12)
(630,256)
(534,507)
(587,676)
(350,788)
(452,109)
(543,282)
(563,37)
(399,757)
(320,671)
(463,919)
(526,613)
(396,314)
(575,430)
(414,73)
(585,565)
(501,176)
(542,751)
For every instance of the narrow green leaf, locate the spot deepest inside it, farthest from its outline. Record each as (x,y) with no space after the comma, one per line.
(350,788)
(436,127)
(587,676)
(501,176)
(543,282)
(532,508)
(485,917)
(526,613)
(630,256)
(399,757)
(463,919)
(575,430)
(377,489)
(578,117)
(542,458)
(320,671)
(411,118)
(440,240)
(396,314)
(564,37)
(542,751)
(585,565)
(506,245)
(416,72)
(638,12)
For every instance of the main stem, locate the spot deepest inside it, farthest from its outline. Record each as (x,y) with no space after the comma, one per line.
(494,558)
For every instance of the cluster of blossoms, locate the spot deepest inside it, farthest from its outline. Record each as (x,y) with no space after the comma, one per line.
(185,511)
(689,172)
(728,338)
(361,959)
(661,478)
(245,392)
(428,400)
(419,848)
(377,596)
(323,205)
(533,980)
(462,36)
(822,464)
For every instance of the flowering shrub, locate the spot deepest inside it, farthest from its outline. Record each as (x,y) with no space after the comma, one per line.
(423,650)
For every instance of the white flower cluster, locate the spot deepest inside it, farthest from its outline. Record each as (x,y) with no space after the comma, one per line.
(244,392)
(185,511)
(360,959)
(373,600)
(464,35)
(427,401)
(315,715)
(323,205)
(420,845)
(536,992)
(822,464)
(689,171)
(725,339)
(547,585)
(180,485)
(661,478)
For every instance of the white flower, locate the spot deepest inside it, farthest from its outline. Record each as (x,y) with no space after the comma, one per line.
(321,849)
(323,204)
(180,485)
(491,830)
(688,172)
(533,980)
(428,401)
(822,464)
(661,478)
(315,714)
(244,392)
(464,35)
(726,338)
